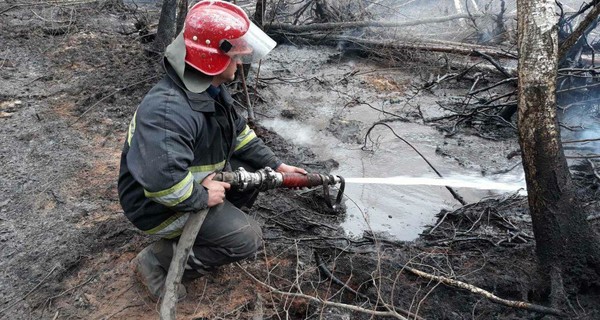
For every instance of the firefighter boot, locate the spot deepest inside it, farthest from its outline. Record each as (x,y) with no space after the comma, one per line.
(152,274)
(164,251)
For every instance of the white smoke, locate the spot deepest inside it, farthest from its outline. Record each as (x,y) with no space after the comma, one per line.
(300,134)
(590,133)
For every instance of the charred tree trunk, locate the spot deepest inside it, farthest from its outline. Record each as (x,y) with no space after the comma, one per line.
(259,13)
(172,17)
(166,26)
(182,9)
(566,246)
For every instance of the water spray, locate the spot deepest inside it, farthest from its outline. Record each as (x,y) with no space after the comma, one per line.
(460,182)
(267,179)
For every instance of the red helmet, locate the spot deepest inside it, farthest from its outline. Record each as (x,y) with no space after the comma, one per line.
(216,31)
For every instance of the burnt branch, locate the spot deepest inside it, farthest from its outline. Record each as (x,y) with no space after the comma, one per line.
(480,224)
(581,28)
(450,189)
(485,293)
(494,63)
(340,26)
(319,300)
(372,46)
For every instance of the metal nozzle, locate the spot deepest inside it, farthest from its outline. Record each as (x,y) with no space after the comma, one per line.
(333,179)
(266,179)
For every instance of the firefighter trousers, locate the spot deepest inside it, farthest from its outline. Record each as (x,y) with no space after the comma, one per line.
(227,235)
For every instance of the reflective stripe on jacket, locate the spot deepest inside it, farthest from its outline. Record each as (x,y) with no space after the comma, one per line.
(175,139)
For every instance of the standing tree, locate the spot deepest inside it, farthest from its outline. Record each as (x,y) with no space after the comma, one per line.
(172,16)
(566,246)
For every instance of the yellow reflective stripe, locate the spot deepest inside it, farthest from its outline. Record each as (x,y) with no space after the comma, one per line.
(171,190)
(244,137)
(174,234)
(166,224)
(207,167)
(200,172)
(175,194)
(131,129)
(245,131)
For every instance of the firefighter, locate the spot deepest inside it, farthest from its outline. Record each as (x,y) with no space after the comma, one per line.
(183,131)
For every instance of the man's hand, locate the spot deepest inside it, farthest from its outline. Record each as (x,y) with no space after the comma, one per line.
(284,168)
(216,190)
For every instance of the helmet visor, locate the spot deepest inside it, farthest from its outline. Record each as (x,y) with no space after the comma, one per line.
(251,47)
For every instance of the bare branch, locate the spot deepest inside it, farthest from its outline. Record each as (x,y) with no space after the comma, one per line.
(487,294)
(450,189)
(361,24)
(272,289)
(587,21)
(412,44)
(581,141)
(57,3)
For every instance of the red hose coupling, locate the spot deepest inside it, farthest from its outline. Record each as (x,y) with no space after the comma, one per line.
(299,180)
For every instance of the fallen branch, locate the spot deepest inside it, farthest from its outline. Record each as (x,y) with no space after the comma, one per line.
(583,25)
(323,268)
(47,303)
(362,24)
(122,309)
(57,3)
(499,83)
(272,289)
(583,103)
(494,63)
(487,294)
(588,86)
(581,141)
(408,44)
(591,156)
(507,170)
(30,291)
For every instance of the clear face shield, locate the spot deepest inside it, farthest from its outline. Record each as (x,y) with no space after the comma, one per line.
(251,47)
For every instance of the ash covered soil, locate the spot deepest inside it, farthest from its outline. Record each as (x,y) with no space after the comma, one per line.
(68,92)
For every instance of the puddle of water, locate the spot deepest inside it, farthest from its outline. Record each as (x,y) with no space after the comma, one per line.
(400,208)
(402,211)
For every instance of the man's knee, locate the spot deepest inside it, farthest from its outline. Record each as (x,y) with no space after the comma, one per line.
(249,241)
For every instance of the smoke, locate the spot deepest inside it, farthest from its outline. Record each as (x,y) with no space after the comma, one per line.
(581,121)
(291,130)
(590,133)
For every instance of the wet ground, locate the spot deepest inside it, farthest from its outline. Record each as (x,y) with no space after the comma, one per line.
(337,99)
(68,92)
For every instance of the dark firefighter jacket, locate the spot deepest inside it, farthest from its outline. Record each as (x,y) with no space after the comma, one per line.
(175,139)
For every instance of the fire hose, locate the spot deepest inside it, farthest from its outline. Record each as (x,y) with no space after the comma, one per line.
(267,179)
(241,180)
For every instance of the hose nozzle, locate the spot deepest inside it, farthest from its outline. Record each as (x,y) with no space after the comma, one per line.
(267,179)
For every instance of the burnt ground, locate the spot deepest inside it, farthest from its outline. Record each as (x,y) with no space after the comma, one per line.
(71,78)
